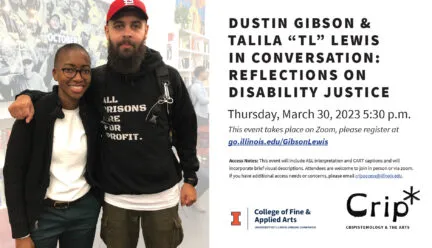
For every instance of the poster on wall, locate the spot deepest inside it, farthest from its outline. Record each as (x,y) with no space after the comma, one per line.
(32,30)
(320,114)
(191,15)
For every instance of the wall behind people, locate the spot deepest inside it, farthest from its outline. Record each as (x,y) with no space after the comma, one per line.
(30,32)
(161,22)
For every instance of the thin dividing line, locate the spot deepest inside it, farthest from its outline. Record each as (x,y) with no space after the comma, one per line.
(247,218)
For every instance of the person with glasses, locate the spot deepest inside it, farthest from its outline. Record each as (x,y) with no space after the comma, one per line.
(29,79)
(50,188)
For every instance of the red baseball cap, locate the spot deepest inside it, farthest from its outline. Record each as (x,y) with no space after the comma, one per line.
(118,5)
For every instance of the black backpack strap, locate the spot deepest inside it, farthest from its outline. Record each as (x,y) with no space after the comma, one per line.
(165,86)
(167,92)
(162,74)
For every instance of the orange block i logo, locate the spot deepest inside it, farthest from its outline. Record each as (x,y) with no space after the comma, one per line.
(236,219)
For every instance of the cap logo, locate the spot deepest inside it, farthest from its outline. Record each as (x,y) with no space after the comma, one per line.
(128,2)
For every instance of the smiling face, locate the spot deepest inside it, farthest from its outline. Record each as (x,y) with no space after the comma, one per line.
(73,74)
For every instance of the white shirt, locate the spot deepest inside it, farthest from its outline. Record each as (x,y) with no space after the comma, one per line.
(146,202)
(69,157)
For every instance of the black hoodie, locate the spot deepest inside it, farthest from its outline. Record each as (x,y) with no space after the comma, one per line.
(137,155)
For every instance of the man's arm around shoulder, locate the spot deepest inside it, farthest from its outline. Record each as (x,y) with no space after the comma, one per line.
(22,108)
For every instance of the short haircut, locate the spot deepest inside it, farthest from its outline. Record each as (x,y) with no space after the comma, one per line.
(68,47)
(198,70)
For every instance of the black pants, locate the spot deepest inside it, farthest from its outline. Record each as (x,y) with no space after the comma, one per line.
(74,226)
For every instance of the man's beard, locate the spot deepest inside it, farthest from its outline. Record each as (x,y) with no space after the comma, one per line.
(126,64)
